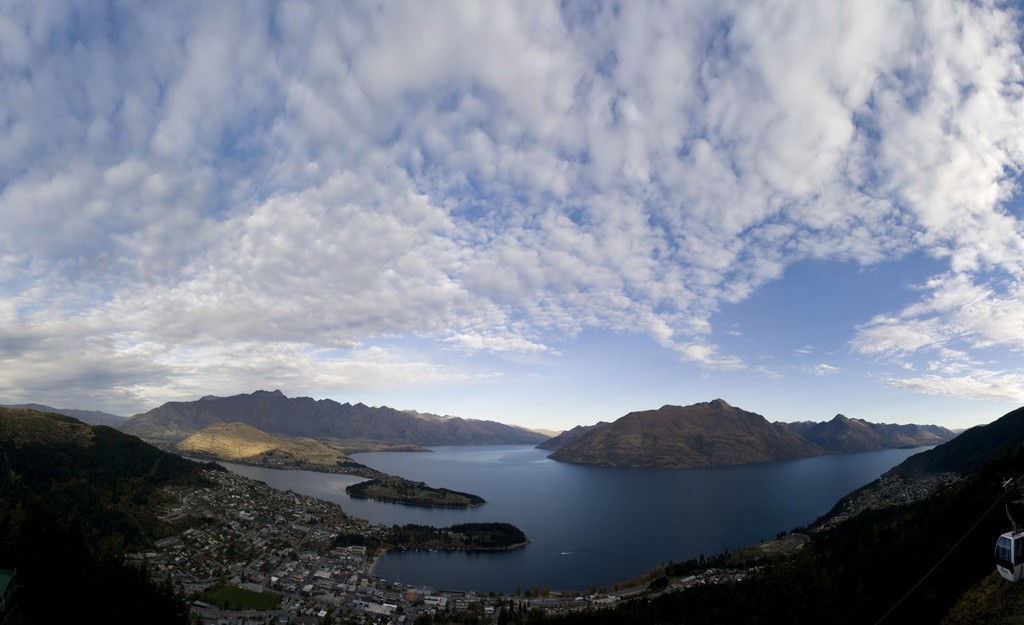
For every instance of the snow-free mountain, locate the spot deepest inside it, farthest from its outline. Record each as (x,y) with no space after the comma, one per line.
(716,433)
(274,413)
(844,434)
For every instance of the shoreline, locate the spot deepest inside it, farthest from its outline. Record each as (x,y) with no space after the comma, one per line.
(371,568)
(416,505)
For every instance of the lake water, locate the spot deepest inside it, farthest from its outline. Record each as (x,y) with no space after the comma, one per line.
(589,526)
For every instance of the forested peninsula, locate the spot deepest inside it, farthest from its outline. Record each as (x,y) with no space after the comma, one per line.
(407,492)
(460,537)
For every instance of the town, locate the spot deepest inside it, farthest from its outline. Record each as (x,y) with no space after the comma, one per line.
(300,554)
(305,560)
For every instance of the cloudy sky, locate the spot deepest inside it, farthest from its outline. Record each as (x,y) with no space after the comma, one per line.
(540,213)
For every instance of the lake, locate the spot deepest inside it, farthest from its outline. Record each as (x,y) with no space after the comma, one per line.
(589,526)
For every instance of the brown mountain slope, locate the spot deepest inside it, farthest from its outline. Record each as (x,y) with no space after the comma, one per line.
(273,413)
(700,435)
(843,434)
(569,436)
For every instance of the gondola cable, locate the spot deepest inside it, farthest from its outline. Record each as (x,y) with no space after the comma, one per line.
(941,560)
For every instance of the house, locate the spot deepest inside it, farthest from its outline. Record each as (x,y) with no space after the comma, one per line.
(436,601)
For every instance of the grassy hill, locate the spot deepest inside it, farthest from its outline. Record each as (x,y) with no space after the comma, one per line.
(237,442)
(992,601)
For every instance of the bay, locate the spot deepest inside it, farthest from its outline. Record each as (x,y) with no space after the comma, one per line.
(589,527)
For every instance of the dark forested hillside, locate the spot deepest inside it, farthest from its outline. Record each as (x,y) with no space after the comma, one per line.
(970,449)
(73,497)
(462,536)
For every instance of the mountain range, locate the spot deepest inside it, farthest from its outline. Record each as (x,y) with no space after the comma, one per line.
(703,434)
(274,413)
(716,433)
(843,434)
(971,449)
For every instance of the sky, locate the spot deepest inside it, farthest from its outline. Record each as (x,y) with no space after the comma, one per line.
(545,214)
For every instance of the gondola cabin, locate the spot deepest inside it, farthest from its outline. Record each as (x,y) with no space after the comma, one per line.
(1010,555)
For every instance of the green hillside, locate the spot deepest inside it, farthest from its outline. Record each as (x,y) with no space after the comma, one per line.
(73,497)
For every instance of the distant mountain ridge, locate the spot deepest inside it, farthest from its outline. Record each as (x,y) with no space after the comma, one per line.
(843,434)
(715,433)
(92,417)
(274,413)
(569,436)
(970,450)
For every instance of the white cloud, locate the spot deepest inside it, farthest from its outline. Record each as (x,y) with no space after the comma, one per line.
(980,384)
(825,369)
(497,343)
(957,332)
(199,180)
(708,356)
(957,311)
(892,336)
